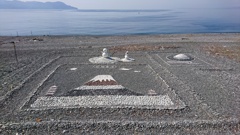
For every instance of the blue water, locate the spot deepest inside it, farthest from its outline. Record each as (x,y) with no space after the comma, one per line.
(118,22)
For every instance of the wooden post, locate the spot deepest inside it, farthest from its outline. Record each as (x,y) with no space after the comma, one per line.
(15,51)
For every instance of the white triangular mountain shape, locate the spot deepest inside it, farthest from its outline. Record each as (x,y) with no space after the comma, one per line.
(101,85)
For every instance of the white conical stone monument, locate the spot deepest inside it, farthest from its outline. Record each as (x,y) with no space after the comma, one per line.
(126,58)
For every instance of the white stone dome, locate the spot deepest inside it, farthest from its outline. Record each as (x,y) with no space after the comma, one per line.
(181,57)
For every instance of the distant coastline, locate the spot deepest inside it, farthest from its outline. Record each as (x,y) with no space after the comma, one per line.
(15,4)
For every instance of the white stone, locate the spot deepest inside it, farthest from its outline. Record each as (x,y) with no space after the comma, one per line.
(181,57)
(104,59)
(126,55)
(111,101)
(125,69)
(102,78)
(152,92)
(105,53)
(126,58)
(136,71)
(99,87)
(73,69)
(64,131)
(51,90)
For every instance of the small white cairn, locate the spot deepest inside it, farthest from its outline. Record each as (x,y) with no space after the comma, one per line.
(127,58)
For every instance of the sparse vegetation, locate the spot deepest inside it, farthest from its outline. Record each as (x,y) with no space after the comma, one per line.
(231,52)
(141,48)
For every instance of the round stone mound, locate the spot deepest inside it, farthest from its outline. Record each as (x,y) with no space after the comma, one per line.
(181,57)
(127,60)
(104,60)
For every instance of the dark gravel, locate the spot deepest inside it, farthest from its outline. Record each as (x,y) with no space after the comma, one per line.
(209,87)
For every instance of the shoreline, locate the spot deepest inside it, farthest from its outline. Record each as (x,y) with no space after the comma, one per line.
(137,34)
(200,37)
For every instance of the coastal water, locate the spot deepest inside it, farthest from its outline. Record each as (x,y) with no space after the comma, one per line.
(118,22)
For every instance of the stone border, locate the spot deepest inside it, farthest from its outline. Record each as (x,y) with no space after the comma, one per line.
(173,96)
(27,99)
(207,109)
(193,62)
(171,57)
(147,102)
(99,87)
(8,94)
(139,125)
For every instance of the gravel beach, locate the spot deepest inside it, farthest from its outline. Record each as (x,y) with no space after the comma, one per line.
(48,85)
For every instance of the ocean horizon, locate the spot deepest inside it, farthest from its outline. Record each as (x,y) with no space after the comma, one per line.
(21,22)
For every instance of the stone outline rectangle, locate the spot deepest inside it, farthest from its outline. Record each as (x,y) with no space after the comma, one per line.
(184,63)
(178,104)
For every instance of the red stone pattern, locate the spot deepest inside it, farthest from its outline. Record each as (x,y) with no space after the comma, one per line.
(107,82)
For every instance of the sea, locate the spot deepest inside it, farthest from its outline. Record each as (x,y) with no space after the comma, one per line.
(118,22)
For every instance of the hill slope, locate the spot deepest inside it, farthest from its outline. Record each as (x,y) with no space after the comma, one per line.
(15,4)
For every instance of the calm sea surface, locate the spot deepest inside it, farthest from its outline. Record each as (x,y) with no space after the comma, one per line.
(118,22)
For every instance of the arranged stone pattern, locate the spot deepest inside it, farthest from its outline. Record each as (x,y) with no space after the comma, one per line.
(158,102)
(180,57)
(102,80)
(106,59)
(101,85)
(127,58)
(51,91)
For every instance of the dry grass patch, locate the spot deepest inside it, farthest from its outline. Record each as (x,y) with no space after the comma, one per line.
(231,52)
(141,48)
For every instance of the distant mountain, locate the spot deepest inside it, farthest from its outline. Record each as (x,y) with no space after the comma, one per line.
(15,4)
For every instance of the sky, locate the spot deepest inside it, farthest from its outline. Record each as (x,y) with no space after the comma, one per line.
(147,4)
